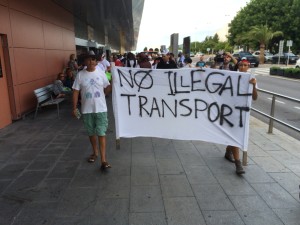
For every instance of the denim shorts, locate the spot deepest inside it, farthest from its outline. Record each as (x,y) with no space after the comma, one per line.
(95,123)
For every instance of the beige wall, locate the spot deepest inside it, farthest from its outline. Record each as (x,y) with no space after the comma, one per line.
(40,38)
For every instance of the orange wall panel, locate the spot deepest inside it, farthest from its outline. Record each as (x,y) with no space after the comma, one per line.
(55,62)
(27,31)
(4,2)
(68,40)
(30,64)
(31,7)
(5,23)
(53,36)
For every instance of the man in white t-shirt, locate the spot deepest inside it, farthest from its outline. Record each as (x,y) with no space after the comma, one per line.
(93,85)
(105,63)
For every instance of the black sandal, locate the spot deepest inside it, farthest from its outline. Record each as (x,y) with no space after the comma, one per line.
(105,165)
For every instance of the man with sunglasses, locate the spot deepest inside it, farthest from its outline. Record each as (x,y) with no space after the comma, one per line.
(93,84)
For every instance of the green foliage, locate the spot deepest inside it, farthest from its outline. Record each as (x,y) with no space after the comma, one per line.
(278,15)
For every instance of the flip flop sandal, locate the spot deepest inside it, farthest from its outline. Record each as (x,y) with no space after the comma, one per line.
(105,165)
(92,158)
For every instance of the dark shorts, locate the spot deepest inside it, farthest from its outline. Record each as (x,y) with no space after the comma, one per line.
(95,123)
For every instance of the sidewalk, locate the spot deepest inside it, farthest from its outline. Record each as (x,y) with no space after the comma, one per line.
(45,178)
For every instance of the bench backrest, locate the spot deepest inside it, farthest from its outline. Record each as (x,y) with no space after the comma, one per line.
(44,93)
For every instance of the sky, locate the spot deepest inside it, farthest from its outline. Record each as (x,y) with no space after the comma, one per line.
(194,18)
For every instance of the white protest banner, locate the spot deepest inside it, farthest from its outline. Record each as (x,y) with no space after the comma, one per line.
(185,104)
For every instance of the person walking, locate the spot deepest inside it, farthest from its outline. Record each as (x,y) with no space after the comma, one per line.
(166,63)
(232,152)
(93,85)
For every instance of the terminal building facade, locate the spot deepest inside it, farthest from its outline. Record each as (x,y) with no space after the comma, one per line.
(37,38)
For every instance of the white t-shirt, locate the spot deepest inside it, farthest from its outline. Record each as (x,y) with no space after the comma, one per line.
(105,64)
(91,86)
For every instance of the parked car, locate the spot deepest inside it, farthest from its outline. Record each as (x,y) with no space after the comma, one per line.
(298,63)
(284,58)
(268,56)
(252,59)
(199,53)
(192,54)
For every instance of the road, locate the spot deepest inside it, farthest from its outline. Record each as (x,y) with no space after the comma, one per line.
(285,110)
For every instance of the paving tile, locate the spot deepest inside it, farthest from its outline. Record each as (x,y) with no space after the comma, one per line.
(49,190)
(143,159)
(4,184)
(147,218)
(142,145)
(235,185)
(111,212)
(85,178)
(77,153)
(268,146)
(222,218)
(54,149)
(219,165)
(36,214)
(289,216)
(26,155)
(169,166)
(289,181)
(77,202)
(284,157)
(83,220)
(25,185)
(144,176)
(212,197)
(209,149)
(175,186)
(165,152)
(254,210)
(199,175)
(64,170)
(183,211)
(9,208)
(255,150)
(269,164)
(43,162)
(63,138)
(113,187)
(183,145)
(146,199)
(13,170)
(275,196)
(255,174)
(190,157)
(294,167)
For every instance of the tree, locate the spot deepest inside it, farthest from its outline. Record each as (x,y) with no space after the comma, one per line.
(279,15)
(262,34)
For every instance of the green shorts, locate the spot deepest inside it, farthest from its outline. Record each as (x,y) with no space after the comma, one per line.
(95,123)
